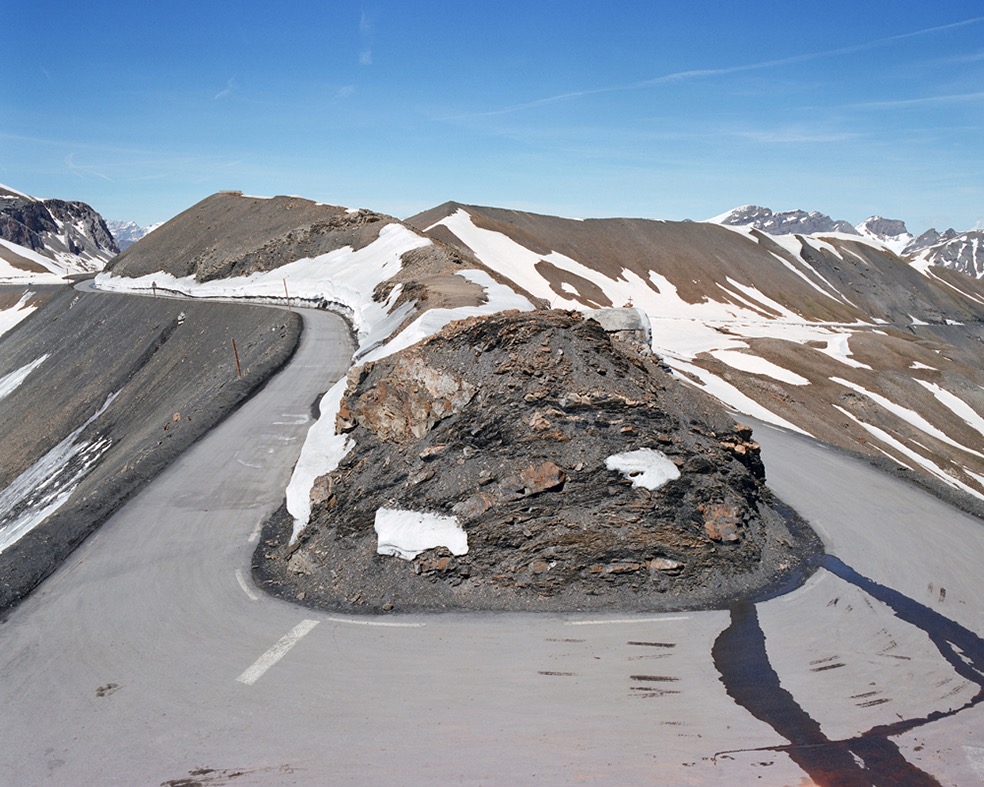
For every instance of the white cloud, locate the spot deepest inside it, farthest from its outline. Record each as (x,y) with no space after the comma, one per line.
(366,28)
(83,171)
(705,73)
(228,90)
(952,98)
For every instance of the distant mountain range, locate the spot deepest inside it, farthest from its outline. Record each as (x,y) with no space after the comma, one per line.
(962,251)
(126,233)
(51,238)
(46,239)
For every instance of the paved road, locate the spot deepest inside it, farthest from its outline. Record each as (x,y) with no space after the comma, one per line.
(150,658)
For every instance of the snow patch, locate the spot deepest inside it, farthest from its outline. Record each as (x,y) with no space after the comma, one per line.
(903,449)
(498,298)
(344,278)
(754,364)
(646,467)
(909,416)
(320,454)
(10,382)
(728,394)
(11,275)
(45,486)
(956,405)
(839,348)
(10,317)
(405,534)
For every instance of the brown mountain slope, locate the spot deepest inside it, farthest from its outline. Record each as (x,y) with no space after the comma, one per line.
(831,335)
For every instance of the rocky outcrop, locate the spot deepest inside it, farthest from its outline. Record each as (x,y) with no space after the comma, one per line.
(963,252)
(69,233)
(509,424)
(408,404)
(784,222)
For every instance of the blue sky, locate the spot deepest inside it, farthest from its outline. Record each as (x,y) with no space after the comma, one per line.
(657,109)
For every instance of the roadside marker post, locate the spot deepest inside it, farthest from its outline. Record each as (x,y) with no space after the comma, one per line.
(235,352)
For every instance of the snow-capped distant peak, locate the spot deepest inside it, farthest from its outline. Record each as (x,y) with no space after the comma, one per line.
(6,192)
(891,232)
(126,233)
(742,210)
(786,222)
(962,252)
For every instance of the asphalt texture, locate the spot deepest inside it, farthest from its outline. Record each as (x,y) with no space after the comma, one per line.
(172,368)
(150,658)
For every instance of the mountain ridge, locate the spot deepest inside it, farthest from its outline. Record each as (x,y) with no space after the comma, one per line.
(861,331)
(44,239)
(962,252)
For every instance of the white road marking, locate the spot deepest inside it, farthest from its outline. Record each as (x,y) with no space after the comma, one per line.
(255,535)
(277,652)
(620,621)
(242,583)
(292,420)
(381,623)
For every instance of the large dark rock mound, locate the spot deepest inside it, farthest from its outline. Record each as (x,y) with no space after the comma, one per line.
(507,423)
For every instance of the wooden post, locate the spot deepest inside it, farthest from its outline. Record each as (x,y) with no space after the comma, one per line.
(286,294)
(235,352)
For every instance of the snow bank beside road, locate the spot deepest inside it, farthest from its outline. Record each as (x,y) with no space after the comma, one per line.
(344,278)
(324,448)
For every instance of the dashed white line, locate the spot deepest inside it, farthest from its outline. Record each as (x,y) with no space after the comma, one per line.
(380,623)
(277,652)
(255,535)
(292,420)
(616,621)
(242,583)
